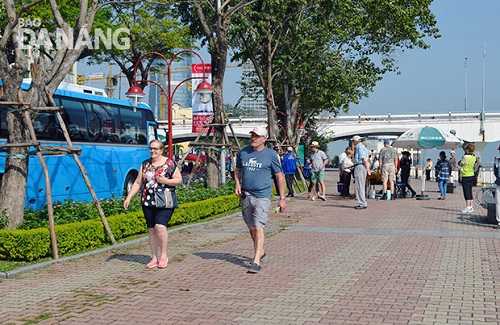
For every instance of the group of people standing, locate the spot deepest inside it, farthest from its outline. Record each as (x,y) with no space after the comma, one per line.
(357,164)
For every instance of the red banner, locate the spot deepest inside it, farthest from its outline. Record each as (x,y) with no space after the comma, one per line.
(202,112)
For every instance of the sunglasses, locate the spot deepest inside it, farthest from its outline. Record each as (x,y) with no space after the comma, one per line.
(154,149)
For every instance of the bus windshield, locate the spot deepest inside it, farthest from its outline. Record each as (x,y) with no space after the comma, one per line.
(113,137)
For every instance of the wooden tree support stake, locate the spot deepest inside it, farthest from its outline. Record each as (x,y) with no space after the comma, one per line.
(48,150)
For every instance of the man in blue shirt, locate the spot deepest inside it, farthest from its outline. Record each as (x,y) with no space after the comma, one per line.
(289,165)
(255,166)
(361,170)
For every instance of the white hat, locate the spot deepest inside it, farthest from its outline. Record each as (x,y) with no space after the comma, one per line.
(314,144)
(356,138)
(259,130)
(289,149)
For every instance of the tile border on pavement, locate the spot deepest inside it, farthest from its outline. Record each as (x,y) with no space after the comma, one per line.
(397,232)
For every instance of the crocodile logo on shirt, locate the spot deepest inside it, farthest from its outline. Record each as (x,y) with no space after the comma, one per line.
(252,164)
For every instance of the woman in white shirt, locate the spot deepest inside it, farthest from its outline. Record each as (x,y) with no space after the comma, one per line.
(347,172)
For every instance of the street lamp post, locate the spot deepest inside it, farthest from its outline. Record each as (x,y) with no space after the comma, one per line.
(135,93)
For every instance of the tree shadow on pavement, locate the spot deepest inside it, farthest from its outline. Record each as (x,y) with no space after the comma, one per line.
(141,259)
(232,258)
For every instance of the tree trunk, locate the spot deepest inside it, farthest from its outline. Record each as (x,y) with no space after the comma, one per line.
(218,49)
(13,189)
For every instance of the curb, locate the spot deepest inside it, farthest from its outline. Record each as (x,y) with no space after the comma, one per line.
(29,268)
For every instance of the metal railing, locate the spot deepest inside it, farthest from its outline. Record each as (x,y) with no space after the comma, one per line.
(419,117)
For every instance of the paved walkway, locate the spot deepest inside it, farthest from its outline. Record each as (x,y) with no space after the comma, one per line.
(397,262)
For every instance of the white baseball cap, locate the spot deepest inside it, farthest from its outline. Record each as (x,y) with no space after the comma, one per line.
(260,131)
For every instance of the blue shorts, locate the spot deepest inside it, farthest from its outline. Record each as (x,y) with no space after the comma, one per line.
(155,216)
(255,210)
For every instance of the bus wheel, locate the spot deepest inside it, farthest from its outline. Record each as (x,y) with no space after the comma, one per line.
(129,181)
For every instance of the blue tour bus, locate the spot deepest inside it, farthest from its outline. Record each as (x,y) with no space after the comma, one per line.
(114,139)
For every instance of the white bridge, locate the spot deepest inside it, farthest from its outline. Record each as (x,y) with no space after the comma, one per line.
(471,127)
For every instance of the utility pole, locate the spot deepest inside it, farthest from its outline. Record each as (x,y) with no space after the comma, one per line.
(483,92)
(465,83)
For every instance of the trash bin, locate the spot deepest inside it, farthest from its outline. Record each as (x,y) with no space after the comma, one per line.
(340,187)
(450,187)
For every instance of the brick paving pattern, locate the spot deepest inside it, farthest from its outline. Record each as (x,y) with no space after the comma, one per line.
(405,261)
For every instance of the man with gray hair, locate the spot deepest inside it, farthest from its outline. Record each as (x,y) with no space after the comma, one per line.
(388,159)
(361,170)
(254,166)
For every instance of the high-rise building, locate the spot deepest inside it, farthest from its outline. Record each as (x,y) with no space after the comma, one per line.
(253,100)
(179,71)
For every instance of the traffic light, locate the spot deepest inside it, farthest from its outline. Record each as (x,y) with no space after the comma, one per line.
(80,79)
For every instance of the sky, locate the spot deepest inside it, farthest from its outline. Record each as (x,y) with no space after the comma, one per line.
(434,80)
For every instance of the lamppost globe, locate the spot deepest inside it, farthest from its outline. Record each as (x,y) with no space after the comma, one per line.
(135,95)
(205,91)
(301,130)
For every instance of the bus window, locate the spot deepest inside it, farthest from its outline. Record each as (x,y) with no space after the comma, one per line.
(152,131)
(142,134)
(133,129)
(104,113)
(47,127)
(93,123)
(74,117)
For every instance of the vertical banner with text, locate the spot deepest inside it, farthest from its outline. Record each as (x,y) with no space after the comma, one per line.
(202,112)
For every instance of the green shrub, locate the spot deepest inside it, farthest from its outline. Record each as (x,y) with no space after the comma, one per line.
(69,211)
(28,245)
(34,244)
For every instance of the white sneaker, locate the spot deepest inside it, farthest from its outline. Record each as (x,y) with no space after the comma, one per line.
(468,210)
(313,198)
(322,197)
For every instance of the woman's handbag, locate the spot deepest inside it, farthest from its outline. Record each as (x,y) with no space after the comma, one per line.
(164,198)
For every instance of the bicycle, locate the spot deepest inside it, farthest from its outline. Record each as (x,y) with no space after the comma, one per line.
(486,195)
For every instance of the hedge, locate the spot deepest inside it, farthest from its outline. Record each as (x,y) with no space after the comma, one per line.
(34,244)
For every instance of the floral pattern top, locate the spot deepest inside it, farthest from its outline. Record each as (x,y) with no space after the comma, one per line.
(149,174)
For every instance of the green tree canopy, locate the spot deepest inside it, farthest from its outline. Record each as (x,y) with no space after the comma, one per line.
(323,55)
